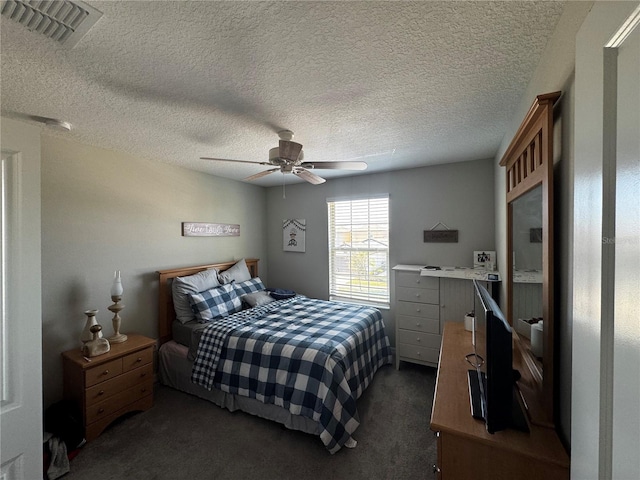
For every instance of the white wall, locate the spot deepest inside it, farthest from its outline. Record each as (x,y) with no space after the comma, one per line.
(459,195)
(104,211)
(554,72)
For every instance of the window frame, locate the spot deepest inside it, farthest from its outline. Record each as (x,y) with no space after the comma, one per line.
(368,298)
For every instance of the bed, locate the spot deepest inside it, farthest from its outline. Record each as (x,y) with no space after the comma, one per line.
(298,361)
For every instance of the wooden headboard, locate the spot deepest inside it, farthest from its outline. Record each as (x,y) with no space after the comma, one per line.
(166,312)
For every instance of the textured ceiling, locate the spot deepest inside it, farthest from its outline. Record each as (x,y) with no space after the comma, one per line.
(396,84)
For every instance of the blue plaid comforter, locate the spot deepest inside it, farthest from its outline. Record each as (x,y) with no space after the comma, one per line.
(312,357)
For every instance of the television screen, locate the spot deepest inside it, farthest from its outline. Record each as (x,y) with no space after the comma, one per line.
(492,382)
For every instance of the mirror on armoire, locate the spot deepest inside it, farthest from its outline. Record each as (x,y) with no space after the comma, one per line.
(529,279)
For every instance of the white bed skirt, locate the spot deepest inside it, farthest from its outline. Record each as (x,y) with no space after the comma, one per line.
(175,371)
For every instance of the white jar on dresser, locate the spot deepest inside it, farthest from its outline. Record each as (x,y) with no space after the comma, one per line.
(418,334)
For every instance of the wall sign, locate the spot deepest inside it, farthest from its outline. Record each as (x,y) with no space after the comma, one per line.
(441,236)
(194,229)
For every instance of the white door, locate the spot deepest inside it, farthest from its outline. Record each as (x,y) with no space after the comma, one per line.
(605,423)
(20,304)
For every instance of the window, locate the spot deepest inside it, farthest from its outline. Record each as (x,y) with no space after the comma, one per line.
(359,250)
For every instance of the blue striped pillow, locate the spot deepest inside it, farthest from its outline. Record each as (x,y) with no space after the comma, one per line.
(215,303)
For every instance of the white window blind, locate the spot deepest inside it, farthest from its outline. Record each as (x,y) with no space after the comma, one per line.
(359,250)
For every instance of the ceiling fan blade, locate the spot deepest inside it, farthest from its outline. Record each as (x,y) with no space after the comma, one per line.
(234,161)
(289,150)
(308,176)
(261,174)
(336,165)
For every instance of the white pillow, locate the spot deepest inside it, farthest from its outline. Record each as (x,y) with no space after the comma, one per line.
(238,273)
(182,287)
(257,298)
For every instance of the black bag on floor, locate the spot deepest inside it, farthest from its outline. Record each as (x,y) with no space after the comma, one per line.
(63,419)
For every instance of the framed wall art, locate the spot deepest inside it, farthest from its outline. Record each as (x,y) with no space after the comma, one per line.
(293,234)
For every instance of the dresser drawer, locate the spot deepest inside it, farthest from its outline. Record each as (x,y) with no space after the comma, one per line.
(415,309)
(119,400)
(103,372)
(106,389)
(413,279)
(137,359)
(419,339)
(425,354)
(421,295)
(420,324)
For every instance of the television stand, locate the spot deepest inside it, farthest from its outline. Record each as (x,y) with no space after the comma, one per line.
(465,448)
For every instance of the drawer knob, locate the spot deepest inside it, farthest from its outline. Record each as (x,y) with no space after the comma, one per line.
(418,281)
(417,309)
(106,372)
(139,360)
(101,392)
(417,353)
(143,390)
(143,374)
(101,410)
(417,339)
(418,324)
(417,295)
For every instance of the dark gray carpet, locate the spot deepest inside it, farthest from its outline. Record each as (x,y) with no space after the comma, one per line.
(183,436)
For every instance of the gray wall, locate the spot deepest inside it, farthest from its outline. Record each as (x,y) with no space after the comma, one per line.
(459,195)
(104,211)
(554,72)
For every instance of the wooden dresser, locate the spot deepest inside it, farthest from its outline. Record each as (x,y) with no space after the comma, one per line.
(112,384)
(417,317)
(465,448)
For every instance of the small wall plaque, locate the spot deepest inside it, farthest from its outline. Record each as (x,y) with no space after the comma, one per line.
(194,229)
(441,236)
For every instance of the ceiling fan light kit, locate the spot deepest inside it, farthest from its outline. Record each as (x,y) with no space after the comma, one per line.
(288,156)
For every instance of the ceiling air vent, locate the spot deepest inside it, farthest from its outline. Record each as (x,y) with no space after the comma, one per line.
(64,21)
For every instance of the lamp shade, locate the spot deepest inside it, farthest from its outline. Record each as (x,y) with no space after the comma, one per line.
(116,288)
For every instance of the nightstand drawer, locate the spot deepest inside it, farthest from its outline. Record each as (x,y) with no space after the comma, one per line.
(425,354)
(116,402)
(104,390)
(103,372)
(421,324)
(415,309)
(137,359)
(410,279)
(420,295)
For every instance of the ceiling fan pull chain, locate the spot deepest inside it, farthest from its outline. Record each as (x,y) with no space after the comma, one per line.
(284,195)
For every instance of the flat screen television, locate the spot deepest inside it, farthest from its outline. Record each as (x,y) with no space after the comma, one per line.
(492,381)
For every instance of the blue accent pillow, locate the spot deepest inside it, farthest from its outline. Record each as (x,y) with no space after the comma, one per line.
(280,294)
(249,286)
(215,303)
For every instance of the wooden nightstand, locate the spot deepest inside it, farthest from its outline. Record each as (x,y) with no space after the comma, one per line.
(112,384)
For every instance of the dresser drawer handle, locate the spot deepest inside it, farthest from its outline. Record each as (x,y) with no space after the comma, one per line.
(143,374)
(418,324)
(418,281)
(417,295)
(143,390)
(417,339)
(101,410)
(139,360)
(106,372)
(417,309)
(101,392)
(417,353)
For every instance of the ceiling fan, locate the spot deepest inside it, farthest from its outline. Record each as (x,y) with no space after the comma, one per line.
(287,158)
